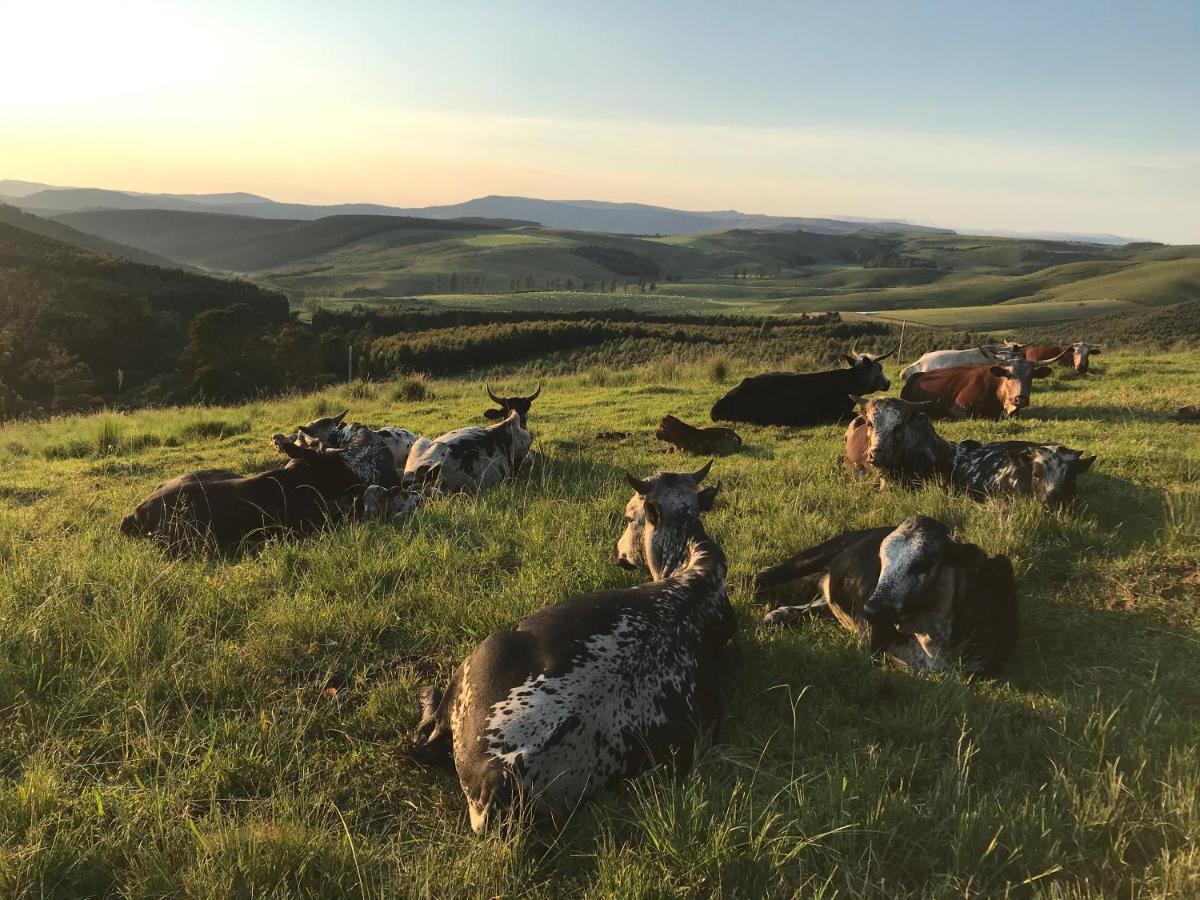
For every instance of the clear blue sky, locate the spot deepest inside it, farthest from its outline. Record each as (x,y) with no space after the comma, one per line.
(1066,116)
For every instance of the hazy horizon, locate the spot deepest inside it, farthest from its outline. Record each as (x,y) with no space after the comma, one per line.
(1002,118)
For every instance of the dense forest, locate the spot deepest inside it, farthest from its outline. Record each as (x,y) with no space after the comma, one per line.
(80,329)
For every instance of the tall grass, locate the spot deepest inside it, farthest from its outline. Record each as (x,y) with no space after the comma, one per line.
(191,727)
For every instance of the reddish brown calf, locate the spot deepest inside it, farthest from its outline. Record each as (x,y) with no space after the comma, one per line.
(690,439)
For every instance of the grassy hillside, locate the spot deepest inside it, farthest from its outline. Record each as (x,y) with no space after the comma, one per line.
(766,271)
(216,729)
(10,215)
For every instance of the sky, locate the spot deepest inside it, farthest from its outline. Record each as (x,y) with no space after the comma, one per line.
(1061,116)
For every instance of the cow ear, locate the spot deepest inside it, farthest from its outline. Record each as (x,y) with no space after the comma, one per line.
(287,448)
(653,512)
(495,414)
(1042,372)
(337,420)
(999,371)
(1083,464)
(1021,458)
(708,496)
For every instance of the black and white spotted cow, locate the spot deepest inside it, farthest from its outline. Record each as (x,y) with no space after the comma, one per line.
(919,597)
(1046,472)
(469,459)
(893,439)
(333,431)
(600,687)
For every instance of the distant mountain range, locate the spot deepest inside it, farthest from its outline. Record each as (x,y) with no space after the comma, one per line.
(578,215)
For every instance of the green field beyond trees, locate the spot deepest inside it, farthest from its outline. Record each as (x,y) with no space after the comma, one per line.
(235,728)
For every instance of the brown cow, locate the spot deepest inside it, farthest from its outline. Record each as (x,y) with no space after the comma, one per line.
(893,438)
(983,392)
(1075,355)
(682,436)
(217,505)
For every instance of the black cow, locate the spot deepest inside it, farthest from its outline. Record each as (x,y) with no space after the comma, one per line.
(314,486)
(791,398)
(918,596)
(600,687)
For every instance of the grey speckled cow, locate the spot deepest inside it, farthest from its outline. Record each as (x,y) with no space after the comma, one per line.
(920,598)
(600,687)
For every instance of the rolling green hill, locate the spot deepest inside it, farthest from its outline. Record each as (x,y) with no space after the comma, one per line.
(60,231)
(941,279)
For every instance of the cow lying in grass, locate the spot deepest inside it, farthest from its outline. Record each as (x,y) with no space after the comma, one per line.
(975,356)
(794,398)
(983,392)
(917,596)
(471,459)
(1077,356)
(361,440)
(893,439)
(600,687)
(688,438)
(219,506)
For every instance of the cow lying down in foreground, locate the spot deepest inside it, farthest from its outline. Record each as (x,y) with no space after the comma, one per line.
(916,595)
(315,485)
(895,440)
(600,687)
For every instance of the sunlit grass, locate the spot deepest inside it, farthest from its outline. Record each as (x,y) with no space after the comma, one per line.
(192,727)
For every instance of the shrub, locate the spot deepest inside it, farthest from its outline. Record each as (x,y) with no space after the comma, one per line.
(360,389)
(718,367)
(412,388)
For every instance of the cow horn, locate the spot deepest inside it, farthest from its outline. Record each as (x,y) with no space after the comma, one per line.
(1065,351)
(642,487)
(987,351)
(886,355)
(857,401)
(698,475)
(534,395)
(920,404)
(494,398)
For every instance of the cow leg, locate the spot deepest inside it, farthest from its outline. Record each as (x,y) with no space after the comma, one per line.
(786,615)
(430,741)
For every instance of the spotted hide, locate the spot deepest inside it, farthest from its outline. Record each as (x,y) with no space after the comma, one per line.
(1046,472)
(469,459)
(913,593)
(792,398)
(377,454)
(600,687)
(893,439)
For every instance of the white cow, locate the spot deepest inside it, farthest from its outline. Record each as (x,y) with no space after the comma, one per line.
(986,355)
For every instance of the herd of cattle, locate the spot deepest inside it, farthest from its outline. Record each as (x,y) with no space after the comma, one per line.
(593,690)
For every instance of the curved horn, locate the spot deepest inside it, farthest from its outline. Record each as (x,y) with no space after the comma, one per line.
(920,404)
(987,352)
(889,353)
(1060,356)
(698,475)
(494,398)
(534,395)
(642,487)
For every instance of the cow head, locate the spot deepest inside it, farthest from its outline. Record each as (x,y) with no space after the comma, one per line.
(1016,381)
(889,426)
(324,468)
(867,372)
(657,517)
(328,430)
(1080,352)
(385,504)
(1050,471)
(520,405)
(912,560)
